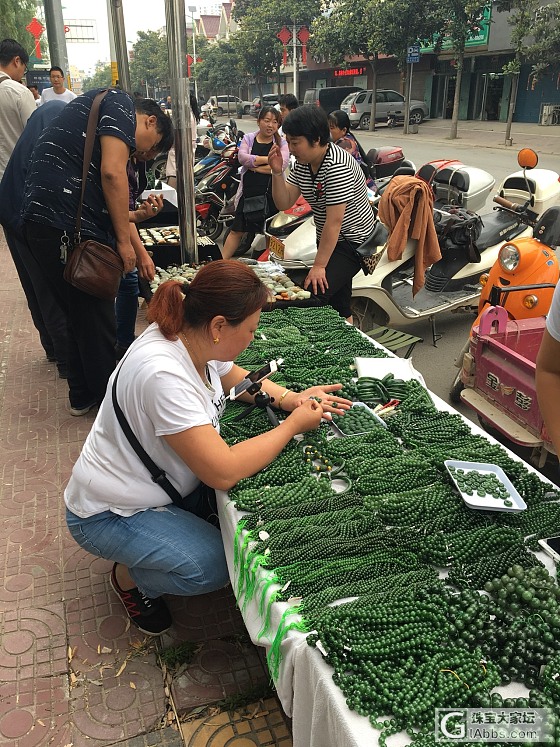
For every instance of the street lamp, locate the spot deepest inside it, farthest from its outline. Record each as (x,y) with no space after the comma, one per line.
(192,9)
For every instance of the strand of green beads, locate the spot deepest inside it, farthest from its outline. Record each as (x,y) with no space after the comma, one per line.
(319,507)
(475,575)
(277,496)
(394,586)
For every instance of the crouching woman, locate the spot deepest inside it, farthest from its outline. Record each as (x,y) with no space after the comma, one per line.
(170,387)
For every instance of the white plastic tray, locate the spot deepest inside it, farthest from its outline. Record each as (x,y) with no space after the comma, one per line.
(339,431)
(487,502)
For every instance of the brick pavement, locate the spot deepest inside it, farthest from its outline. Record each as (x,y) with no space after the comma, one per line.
(72,671)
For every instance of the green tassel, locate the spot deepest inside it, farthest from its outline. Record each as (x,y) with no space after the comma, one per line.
(240,527)
(272,579)
(251,536)
(244,566)
(274,656)
(266,625)
(251,580)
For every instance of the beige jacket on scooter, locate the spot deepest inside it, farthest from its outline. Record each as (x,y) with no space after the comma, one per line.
(406,208)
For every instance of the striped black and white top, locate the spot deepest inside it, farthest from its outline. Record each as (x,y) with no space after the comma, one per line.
(339,180)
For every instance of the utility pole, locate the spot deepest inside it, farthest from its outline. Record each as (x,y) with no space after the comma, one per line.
(55,35)
(177,50)
(116,20)
(294,48)
(112,48)
(192,10)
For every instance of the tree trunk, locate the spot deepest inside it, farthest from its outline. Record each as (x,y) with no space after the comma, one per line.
(511,110)
(373,112)
(457,97)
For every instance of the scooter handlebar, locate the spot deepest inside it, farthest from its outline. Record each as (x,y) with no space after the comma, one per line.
(507,204)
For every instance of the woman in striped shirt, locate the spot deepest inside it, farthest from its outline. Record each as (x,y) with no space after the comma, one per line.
(333,183)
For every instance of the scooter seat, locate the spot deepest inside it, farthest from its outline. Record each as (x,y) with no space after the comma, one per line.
(453,177)
(547,228)
(498,226)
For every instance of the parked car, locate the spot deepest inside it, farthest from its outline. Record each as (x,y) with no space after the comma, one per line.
(226,105)
(267,99)
(358,107)
(330,98)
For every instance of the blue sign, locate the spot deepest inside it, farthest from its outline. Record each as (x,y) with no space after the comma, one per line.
(413,54)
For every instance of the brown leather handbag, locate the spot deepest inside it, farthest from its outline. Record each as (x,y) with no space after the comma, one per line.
(91,266)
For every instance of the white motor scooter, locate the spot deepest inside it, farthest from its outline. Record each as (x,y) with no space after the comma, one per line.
(385,296)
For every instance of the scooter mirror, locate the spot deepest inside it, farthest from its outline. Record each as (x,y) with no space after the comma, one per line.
(527,158)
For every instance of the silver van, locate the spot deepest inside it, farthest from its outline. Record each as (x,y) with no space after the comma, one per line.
(358,107)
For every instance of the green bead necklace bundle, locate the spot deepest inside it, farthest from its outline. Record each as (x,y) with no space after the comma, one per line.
(409,642)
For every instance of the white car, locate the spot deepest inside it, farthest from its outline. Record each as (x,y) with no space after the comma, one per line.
(221,105)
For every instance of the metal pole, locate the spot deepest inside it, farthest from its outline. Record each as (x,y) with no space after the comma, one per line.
(294,41)
(407,103)
(55,35)
(177,51)
(192,9)
(117,20)
(112,49)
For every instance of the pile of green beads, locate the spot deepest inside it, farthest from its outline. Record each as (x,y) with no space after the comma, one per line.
(357,420)
(480,484)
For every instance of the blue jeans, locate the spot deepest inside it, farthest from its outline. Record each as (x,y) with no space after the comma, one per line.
(166,550)
(126,308)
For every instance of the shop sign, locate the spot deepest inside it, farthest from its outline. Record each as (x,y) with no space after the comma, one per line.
(477,39)
(345,72)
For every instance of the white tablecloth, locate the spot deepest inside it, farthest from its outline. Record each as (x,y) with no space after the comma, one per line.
(305,686)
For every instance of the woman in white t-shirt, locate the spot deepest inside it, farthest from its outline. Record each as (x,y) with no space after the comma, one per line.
(548,372)
(170,388)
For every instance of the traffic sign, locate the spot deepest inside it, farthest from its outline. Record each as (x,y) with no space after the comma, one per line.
(413,54)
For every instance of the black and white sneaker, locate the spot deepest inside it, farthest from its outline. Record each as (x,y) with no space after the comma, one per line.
(151,616)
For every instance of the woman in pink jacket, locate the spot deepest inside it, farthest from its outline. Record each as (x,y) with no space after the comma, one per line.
(256,179)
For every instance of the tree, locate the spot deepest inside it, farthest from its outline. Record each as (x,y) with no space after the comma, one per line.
(463,21)
(400,25)
(101,77)
(14,17)
(348,29)
(259,52)
(371,28)
(150,62)
(528,17)
(220,69)
(256,43)
(545,49)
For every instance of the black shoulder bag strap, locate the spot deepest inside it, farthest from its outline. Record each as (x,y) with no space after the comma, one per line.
(158,475)
(93,119)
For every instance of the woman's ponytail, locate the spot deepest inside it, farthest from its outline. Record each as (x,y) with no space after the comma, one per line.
(167,308)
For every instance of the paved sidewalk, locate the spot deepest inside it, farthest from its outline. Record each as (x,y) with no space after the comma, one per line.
(72,671)
(544,139)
